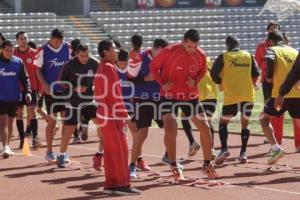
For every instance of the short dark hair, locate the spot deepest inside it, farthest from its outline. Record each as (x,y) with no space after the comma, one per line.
(6,43)
(57,33)
(192,35)
(232,42)
(118,44)
(82,47)
(20,33)
(104,45)
(160,43)
(31,44)
(75,43)
(2,37)
(123,55)
(137,40)
(275,36)
(273,23)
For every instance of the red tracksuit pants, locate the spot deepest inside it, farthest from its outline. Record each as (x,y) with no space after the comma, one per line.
(115,154)
(277,123)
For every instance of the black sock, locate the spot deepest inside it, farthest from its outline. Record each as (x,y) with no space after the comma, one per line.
(223,133)
(132,164)
(206,162)
(166,154)
(188,130)
(34,127)
(245,134)
(28,129)
(140,158)
(20,127)
(76,133)
(173,164)
(212,131)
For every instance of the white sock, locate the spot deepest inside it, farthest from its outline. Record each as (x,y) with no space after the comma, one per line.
(276,147)
(62,153)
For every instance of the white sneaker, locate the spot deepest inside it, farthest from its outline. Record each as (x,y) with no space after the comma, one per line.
(7,152)
(193,149)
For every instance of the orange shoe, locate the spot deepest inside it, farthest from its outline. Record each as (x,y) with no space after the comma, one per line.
(209,171)
(178,175)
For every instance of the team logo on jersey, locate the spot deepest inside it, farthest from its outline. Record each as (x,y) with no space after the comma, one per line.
(55,63)
(288,59)
(193,68)
(4,73)
(235,63)
(90,72)
(29,61)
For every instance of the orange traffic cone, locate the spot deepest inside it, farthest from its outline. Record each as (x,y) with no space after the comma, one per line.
(26,149)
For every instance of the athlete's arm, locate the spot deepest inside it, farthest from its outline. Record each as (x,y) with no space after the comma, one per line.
(292,77)
(259,57)
(65,77)
(270,60)
(156,64)
(203,70)
(25,79)
(254,70)
(216,69)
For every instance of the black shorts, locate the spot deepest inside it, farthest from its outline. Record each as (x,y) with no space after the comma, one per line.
(41,101)
(189,108)
(267,90)
(145,111)
(209,106)
(292,105)
(9,108)
(80,115)
(34,96)
(54,105)
(244,107)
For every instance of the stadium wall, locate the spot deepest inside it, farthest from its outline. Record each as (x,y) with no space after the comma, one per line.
(60,7)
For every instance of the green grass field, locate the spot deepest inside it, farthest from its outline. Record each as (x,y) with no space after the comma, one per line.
(255,127)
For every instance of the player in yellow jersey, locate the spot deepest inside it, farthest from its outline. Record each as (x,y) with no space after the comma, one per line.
(208,97)
(236,71)
(280,59)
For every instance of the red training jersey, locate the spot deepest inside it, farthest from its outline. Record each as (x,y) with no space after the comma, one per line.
(108,93)
(260,54)
(173,64)
(28,58)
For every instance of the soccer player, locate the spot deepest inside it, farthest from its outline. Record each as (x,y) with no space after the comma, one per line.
(236,72)
(134,54)
(280,59)
(277,122)
(146,102)
(79,73)
(27,55)
(49,61)
(178,69)
(12,72)
(208,97)
(111,115)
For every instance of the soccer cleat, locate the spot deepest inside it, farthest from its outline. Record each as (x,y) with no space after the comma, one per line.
(193,149)
(177,173)
(141,165)
(224,154)
(76,140)
(127,191)
(97,161)
(166,161)
(61,160)
(213,154)
(275,156)
(109,191)
(6,153)
(243,158)
(51,157)
(209,171)
(132,171)
(36,143)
